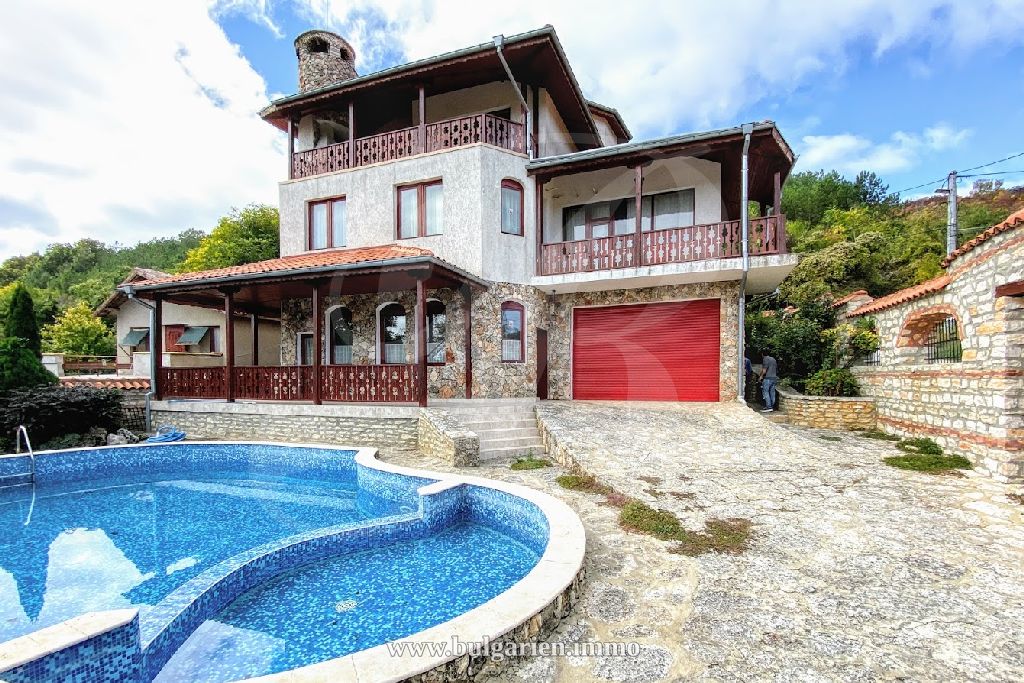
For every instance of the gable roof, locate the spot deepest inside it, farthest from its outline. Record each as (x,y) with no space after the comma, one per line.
(1014,220)
(535,57)
(843,300)
(118,297)
(936,284)
(614,119)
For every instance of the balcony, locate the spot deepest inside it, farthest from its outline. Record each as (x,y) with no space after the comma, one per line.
(399,144)
(723,240)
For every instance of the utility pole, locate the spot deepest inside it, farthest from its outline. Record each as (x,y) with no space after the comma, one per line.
(951,225)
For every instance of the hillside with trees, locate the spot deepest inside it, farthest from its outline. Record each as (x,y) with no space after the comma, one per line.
(67,281)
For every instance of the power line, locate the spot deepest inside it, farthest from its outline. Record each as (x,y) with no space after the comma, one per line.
(961,174)
(976,175)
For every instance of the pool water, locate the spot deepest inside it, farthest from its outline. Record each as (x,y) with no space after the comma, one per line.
(348,603)
(124,542)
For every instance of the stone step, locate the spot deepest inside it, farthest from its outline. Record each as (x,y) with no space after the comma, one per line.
(507,433)
(479,426)
(515,441)
(508,453)
(776,417)
(481,402)
(491,413)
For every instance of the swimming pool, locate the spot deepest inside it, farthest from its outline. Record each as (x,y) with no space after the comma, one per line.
(273,556)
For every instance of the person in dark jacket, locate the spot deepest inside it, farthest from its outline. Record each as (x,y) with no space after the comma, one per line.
(769,378)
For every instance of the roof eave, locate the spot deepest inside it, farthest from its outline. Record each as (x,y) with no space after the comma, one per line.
(242,278)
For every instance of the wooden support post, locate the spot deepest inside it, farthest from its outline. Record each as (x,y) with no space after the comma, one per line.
(761,210)
(291,148)
(423,120)
(156,345)
(255,321)
(777,194)
(467,333)
(318,343)
(229,345)
(351,135)
(421,341)
(638,189)
(538,202)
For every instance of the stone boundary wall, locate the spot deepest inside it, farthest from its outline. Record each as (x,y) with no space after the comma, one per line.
(441,435)
(376,426)
(974,407)
(828,412)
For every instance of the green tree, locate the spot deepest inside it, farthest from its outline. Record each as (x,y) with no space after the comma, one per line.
(21,319)
(243,236)
(78,332)
(20,367)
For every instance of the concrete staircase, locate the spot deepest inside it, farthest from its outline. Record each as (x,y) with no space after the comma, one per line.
(507,427)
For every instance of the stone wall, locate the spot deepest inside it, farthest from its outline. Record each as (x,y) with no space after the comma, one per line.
(974,407)
(442,436)
(828,412)
(349,425)
(492,378)
(560,328)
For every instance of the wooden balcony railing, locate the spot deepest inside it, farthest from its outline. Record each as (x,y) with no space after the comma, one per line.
(398,144)
(767,235)
(343,383)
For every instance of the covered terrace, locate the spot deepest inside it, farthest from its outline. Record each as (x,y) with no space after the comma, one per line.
(260,289)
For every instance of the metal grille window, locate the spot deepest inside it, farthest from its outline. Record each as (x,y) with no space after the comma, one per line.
(943,343)
(873,358)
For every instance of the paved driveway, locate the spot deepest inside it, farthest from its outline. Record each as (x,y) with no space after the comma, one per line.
(856,572)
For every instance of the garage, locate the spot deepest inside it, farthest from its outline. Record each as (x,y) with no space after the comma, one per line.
(647,352)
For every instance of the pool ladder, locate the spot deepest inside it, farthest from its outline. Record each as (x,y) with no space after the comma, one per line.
(20,433)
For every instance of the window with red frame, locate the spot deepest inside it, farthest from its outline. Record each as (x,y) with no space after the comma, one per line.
(420,210)
(513,336)
(327,224)
(511,207)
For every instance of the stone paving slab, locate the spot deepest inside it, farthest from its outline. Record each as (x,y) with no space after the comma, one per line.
(856,572)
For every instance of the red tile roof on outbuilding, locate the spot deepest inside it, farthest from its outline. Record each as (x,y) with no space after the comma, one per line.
(312,259)
(843,300)
(1014,220)
(936,284)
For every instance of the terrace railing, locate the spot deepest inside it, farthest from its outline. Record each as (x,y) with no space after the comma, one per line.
(767,235)
(398,144)
(342,383)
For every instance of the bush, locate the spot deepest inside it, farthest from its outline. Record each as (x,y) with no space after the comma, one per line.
(20,366)
(834,382)
(931,463)
(78,332)
(49,412)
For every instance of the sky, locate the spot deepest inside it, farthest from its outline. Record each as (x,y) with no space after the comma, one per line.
(125,120)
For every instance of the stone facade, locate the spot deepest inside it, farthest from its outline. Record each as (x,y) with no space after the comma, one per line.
(828,412)
(974,407)
(442,436)
(560,328)
(376,426)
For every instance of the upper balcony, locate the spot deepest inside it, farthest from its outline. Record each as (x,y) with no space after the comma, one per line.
(406,142)
(722,240)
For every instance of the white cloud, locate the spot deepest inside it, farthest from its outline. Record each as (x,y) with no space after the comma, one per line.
(669,65)
(849,153)
(122,120)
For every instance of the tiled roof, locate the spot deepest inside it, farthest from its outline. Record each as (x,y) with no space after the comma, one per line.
(843,300)
(112,382)
(314,259)
(1014,220)
(936,284)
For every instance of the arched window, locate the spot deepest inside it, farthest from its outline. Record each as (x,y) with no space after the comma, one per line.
(317,45)
(513,335)
(511,207)
(339,328)
(436,324)
(943,342)
(392,333)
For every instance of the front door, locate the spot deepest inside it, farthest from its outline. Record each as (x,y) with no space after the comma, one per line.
(542,363)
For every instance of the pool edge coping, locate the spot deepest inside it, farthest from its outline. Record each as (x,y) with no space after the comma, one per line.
(558,567)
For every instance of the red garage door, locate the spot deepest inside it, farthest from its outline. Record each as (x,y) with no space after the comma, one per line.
(647,352)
